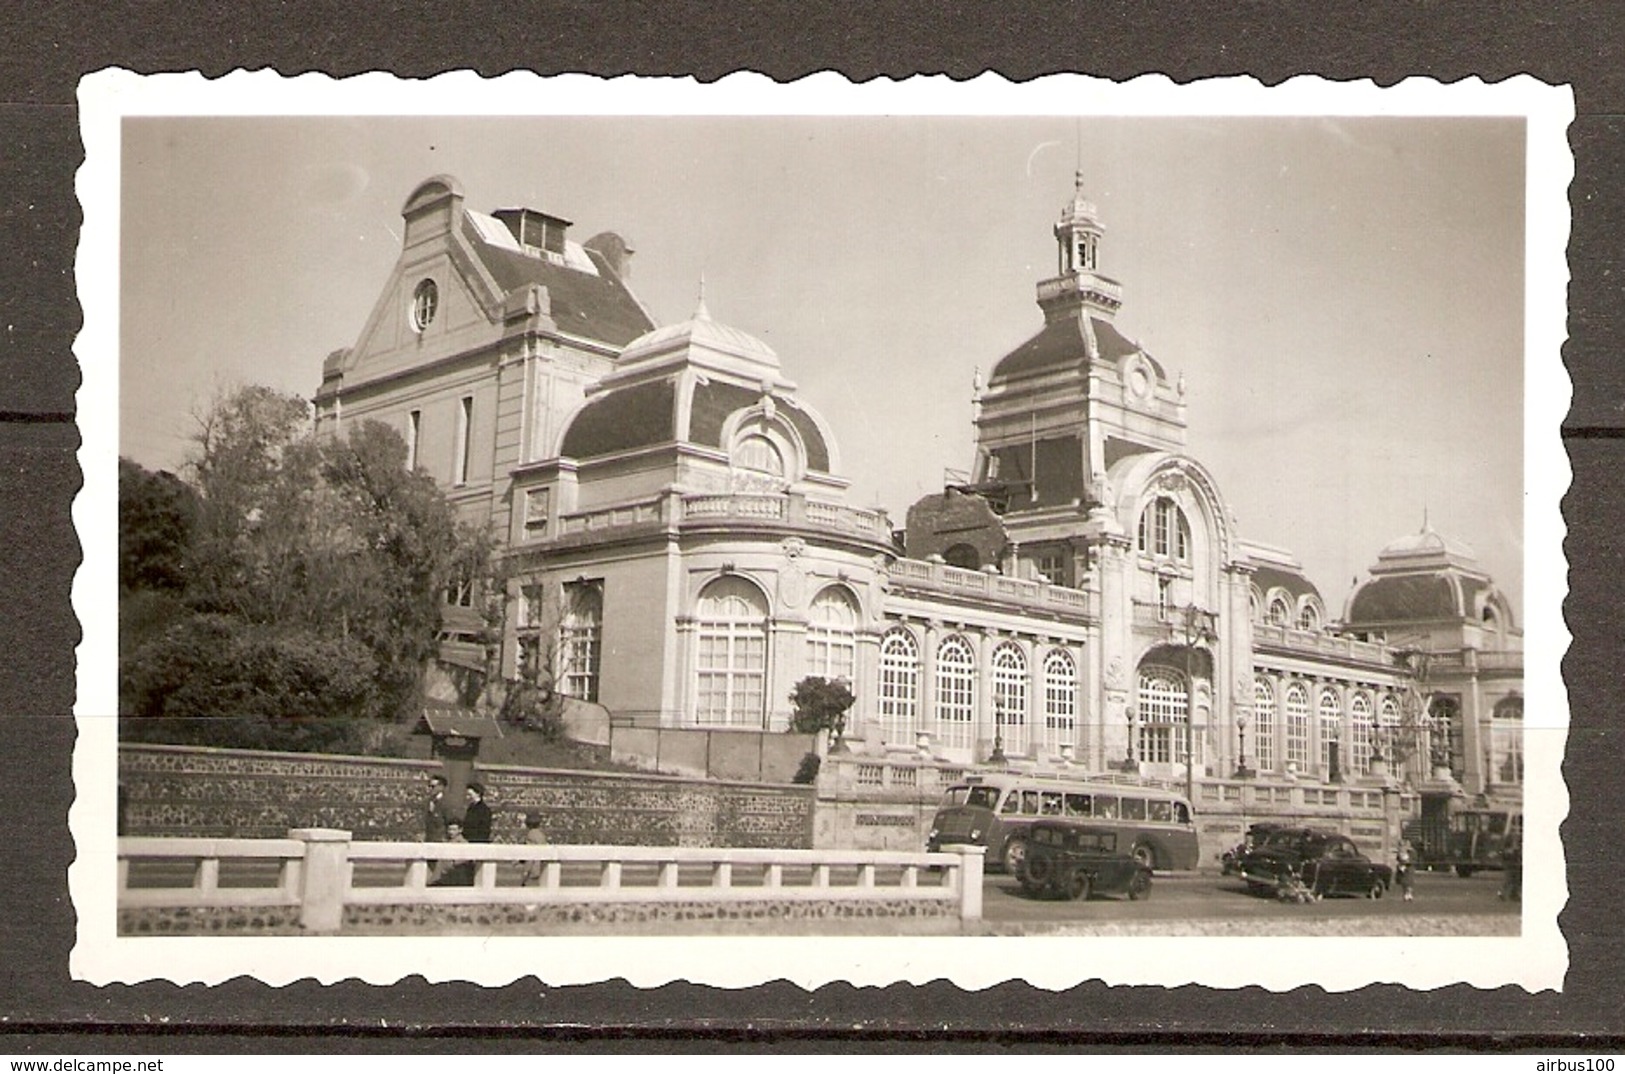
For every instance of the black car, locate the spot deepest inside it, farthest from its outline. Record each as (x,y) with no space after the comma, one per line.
(1230,860)
(1074,861)
(1312,862)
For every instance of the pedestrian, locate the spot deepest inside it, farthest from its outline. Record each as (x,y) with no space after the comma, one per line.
(434,811)
(1404,871)
(534,836)
(452,874)
(477,817)
(1512,871)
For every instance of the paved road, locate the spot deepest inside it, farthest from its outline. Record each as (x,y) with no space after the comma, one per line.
(1189,897)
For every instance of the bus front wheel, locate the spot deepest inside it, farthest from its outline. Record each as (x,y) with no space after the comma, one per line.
(1145,854)
(1015,852)
(1464,871)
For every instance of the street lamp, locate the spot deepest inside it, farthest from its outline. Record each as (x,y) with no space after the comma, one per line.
(1198,629)
(1242,771)
(997,756)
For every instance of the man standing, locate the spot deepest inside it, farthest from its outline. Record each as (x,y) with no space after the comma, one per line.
(434,811)
(477,818)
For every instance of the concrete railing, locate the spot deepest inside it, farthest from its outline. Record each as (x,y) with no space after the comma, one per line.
(317,873)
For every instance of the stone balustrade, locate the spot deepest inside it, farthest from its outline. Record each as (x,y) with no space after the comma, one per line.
(320,876)
(934,577)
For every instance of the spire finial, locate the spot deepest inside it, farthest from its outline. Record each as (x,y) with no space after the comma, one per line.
(700,312)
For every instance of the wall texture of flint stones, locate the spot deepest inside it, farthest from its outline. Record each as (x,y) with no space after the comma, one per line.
(540,917)
(189,791)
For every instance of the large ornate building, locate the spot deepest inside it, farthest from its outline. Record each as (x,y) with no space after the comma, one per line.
(677,543)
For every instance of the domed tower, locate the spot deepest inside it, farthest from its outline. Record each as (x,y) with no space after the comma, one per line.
(1430,601)
(692,521)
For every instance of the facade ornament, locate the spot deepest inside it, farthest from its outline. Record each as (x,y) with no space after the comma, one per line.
(793,547)
(1180,387)
(769,409)
(1114,673)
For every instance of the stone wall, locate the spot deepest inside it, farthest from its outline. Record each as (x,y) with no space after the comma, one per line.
(175,790)
(751,756)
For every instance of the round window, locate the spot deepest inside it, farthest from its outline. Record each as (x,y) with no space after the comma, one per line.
(425,300)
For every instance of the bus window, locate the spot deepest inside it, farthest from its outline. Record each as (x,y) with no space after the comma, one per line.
(1029,803)
(1106,806)
(1077,805)
(1497,823)
(1182,813)
(982,797)
(1160,811)
(953,796)
(1052,803)
(1012,803)
(1133,808)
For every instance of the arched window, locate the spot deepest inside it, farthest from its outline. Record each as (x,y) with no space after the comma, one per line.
(1445,737)
(1164,710)
(832,635)
(1297,726)
(1280,614)
(1331,729)
(956,692)
(1255,607)
(1309,618)
(425,301)
(1163,530)
(1060,700)
(1264,723)
(757,452)
(899,685)
(1388,733)
(1360,734)
(581,640)
(731,676)
(1506,740)
(1010,696)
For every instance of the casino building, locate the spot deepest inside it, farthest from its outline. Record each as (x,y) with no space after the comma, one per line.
(677,544)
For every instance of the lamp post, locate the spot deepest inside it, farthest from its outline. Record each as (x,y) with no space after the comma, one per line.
(1198,629)
(1242,771)
(997,756)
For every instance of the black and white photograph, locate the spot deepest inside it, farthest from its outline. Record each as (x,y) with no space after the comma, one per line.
(827,532)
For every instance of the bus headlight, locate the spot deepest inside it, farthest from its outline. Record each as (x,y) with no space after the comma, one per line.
(976,833)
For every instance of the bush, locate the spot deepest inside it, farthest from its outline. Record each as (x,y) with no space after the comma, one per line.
(808,770)
(821,705)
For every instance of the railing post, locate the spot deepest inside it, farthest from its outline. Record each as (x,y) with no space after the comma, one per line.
(970,880)
(325,878)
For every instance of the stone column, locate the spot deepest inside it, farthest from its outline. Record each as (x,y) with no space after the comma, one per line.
(927,717)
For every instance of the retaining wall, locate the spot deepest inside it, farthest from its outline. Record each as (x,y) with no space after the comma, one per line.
(182,790)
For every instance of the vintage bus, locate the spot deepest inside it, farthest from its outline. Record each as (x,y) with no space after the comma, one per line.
(995,809)
(1461,837)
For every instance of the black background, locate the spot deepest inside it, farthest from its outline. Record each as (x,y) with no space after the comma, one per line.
(44,49)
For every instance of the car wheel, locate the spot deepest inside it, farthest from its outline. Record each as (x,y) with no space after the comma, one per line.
(1078,885)
(1140,887)
(1015,852)
(1145,854)
(1464,871)
(1376,889)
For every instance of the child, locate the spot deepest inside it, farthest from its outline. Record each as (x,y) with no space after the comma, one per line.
(452,873)
(534,836)
(1402,871)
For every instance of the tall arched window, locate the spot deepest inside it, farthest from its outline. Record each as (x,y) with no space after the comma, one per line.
(1506,740)
(1264,722)
(899,685)
(1447,746)
(1010,696)
(832,635)
(1060,701)
(1164,531)
(1280,614)
(1388,730)
(1164,710)
(1331,729)
(1297,726)
(1308,618)
(956,692)
(581,640)
(731,664)
(1360,734)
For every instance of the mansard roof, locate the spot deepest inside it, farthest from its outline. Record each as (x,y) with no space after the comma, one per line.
(595,305)
(1062,342)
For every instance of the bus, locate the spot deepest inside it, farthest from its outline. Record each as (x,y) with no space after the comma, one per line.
(1464,838)
(995,809)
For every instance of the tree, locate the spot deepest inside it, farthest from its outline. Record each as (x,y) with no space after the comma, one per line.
(156,512)
(821,705)
(320,561)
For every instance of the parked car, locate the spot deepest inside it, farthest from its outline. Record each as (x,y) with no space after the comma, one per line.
(1070,860)
(1315,862)
(1230,860)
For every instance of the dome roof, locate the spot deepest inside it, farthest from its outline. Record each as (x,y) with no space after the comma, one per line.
(700,332)
(1427,543)
(1421,577)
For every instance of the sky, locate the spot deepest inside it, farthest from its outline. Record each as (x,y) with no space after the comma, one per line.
(1344,296)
